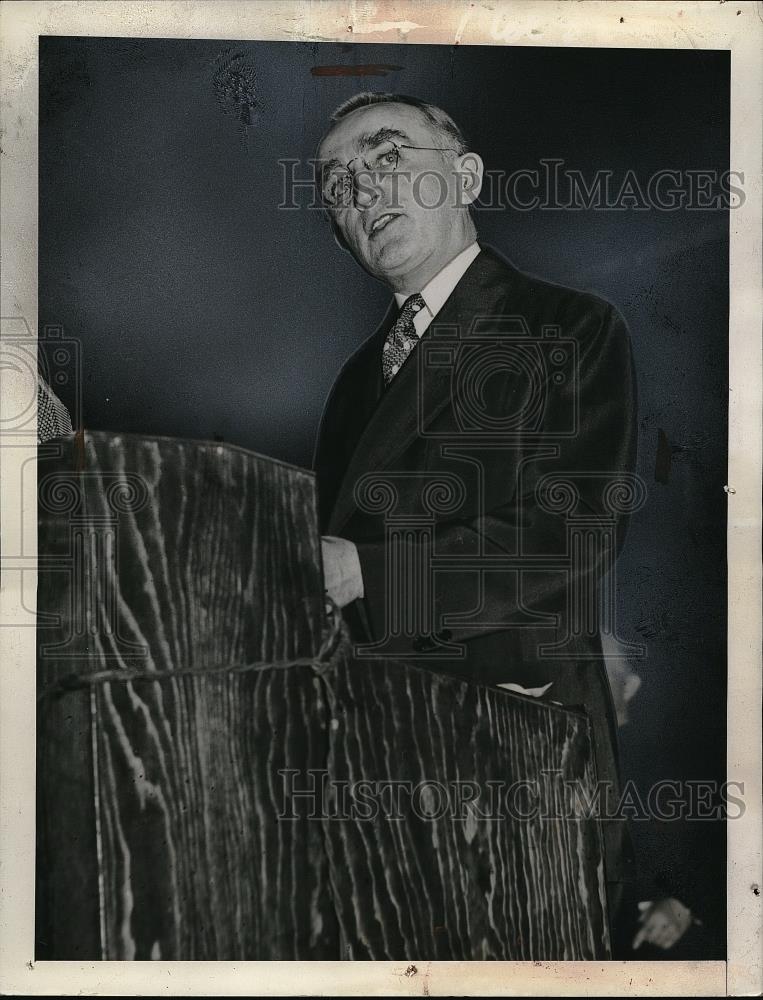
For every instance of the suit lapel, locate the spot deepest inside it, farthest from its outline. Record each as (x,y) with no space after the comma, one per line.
(415,397)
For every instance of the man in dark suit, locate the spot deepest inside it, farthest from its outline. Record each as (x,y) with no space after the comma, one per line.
(487,413)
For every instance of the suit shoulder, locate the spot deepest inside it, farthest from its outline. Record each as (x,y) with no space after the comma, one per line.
(564,305)
(544,301)
(566,299)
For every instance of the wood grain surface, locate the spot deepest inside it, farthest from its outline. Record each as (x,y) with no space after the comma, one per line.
(159,796)
(179,712)
(452,882)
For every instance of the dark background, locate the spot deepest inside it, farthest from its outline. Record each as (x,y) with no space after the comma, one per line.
(205,311)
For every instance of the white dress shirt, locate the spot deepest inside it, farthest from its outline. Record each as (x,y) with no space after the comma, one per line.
(438,290)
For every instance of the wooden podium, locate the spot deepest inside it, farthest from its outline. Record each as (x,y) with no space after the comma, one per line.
(218,779)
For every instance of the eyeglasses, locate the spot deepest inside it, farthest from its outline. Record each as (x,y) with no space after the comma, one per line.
(338,183)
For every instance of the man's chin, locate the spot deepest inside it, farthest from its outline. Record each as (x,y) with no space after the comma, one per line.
(389,259)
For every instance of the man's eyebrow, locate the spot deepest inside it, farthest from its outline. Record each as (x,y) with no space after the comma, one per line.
(371,140)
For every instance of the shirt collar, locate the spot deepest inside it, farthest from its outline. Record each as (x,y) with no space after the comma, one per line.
(436,292)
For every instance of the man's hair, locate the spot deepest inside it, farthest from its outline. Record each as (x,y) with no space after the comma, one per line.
(440,120)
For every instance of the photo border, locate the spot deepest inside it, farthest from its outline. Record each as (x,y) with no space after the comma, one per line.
(733,26)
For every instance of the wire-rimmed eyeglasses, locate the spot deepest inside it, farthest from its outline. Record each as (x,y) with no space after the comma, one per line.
(337,182)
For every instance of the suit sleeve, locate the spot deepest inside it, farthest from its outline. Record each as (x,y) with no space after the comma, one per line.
(600,450)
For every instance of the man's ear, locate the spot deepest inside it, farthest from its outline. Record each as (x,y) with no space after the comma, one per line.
(469,170)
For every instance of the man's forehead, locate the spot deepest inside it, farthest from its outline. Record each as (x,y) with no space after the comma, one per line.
(369,125)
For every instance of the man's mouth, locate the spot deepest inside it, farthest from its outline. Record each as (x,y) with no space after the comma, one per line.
(380,223)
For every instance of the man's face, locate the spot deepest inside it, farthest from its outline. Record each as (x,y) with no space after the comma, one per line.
(394,223)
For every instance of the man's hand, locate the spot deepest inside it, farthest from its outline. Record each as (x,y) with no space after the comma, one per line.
(623,681)
(662,923)
(342,577)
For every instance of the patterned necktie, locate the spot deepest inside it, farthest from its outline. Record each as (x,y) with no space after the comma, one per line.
(402,338)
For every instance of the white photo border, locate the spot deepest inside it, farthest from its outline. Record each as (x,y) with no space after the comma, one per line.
(737,27)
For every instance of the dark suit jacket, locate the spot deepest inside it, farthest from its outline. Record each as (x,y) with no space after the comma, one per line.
(570,416)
